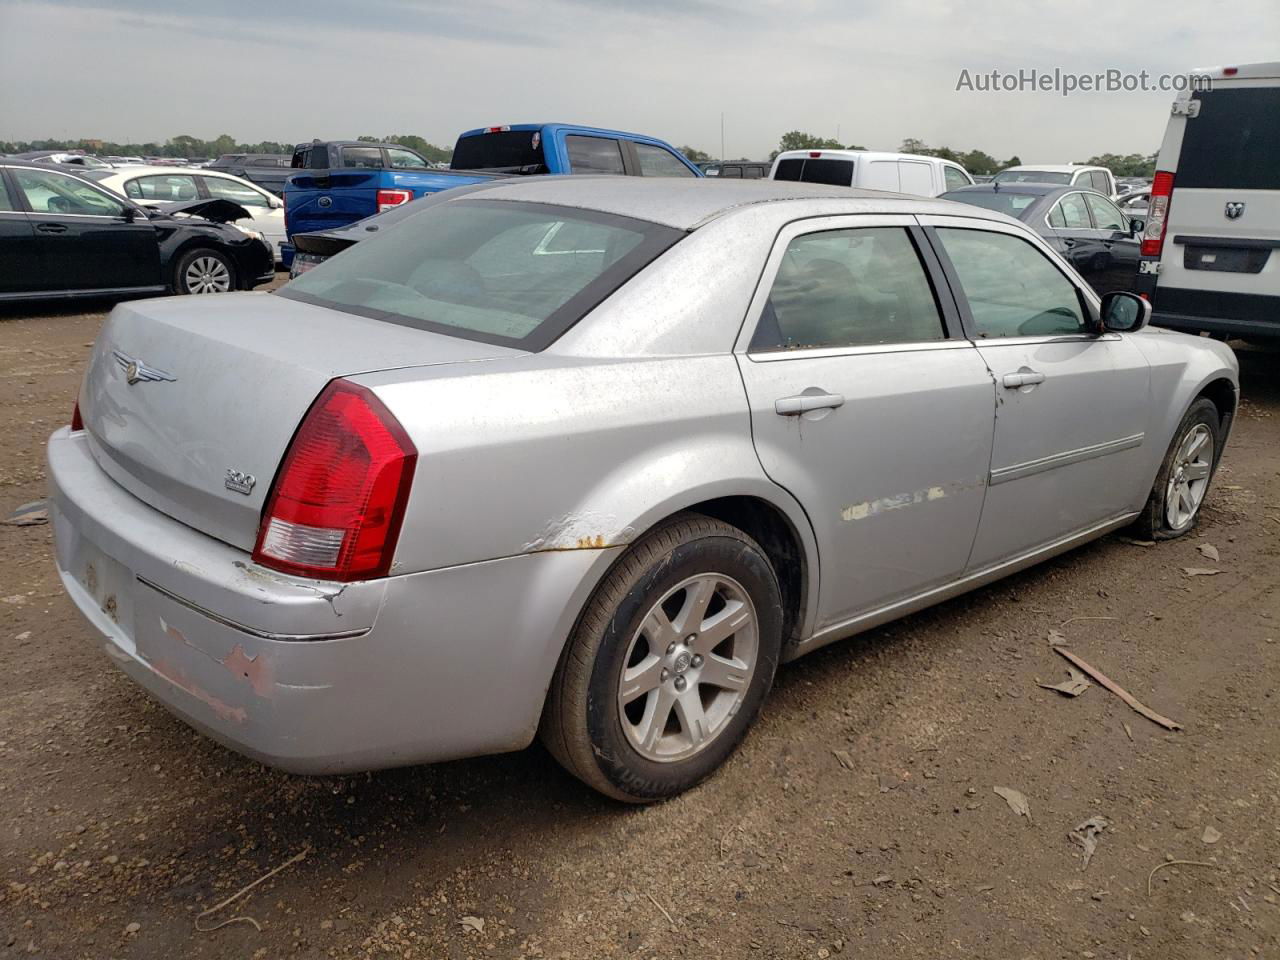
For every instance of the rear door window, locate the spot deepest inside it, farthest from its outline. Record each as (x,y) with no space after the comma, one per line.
(162,188)
(1070,213)
(5,203)
(837,173)
(848,288)
(594,154)
(657,162)
(369,158)
(400,159)
(1235,141)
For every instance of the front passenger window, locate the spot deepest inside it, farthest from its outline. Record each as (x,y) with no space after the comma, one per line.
(1012,288)
(56,193)
(848,288)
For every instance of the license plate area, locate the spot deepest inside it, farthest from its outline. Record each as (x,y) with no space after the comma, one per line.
(1225,259)
(111,585)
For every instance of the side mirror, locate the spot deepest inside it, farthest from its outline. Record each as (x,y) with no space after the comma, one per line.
(276,203)
(1136,226)
(132,214)
(1124,312)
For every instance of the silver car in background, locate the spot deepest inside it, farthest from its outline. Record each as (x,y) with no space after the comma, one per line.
(591,456)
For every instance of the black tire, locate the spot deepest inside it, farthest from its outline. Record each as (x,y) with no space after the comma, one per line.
(582,724)
(180,274)
(1152,523)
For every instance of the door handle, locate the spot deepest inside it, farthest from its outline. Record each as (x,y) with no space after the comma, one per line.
(51,227)
(791,406)
(1012,381)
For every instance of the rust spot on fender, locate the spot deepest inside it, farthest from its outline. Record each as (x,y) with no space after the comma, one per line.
(591,543)
(109,607)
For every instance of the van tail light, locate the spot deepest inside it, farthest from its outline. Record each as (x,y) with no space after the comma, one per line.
(392,198)
(77,422)
(335,509)
(1157,214)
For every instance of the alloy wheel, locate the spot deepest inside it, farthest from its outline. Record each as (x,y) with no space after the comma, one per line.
(1188,477)
(207,275)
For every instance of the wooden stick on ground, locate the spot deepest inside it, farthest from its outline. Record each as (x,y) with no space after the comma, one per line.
(1120,691)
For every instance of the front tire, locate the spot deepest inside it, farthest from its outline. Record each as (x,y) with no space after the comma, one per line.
(204,270)
(669,664)
(1173,508)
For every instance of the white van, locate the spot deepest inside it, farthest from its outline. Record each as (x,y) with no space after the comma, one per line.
(1211,247)
(898,172)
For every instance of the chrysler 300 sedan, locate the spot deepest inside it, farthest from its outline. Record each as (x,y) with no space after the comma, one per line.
(592,456)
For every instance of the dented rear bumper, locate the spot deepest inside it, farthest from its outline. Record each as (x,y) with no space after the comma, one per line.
(305,675)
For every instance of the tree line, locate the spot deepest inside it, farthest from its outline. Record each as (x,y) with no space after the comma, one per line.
(976,162)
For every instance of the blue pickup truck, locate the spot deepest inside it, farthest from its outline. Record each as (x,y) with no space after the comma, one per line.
(340,182)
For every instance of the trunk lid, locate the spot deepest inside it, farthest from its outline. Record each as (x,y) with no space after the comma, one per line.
(190,402)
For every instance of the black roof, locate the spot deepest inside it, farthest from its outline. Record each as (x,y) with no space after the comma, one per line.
(1025,189)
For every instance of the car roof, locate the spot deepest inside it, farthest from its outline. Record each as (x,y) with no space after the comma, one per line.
(822,153)
(1026,189)
(1055,167)
(687,202)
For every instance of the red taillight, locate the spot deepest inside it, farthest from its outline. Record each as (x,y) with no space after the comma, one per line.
(1230,71)
(1157,214)
(338,501)
(392,198)
(77,422)
(814,154)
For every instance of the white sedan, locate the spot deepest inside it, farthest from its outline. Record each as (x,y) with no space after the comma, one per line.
(171,184)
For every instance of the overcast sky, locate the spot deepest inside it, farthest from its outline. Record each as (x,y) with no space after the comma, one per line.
(876,73)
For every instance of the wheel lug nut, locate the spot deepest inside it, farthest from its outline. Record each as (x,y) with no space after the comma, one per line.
(689,640)
(681,683)
(665,673)
(697,661)
(671,648)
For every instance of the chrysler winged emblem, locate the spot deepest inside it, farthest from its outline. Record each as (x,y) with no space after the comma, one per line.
(1234,210)
(135,370)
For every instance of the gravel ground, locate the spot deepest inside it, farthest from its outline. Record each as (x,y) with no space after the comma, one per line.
(859,817)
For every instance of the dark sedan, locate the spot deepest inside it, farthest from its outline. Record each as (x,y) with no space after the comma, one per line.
(1085,227)
(62,236)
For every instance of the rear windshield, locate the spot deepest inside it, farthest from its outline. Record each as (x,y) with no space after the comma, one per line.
(1032,176)
(1234,143)
(1003,202)
(837,173)
(509,150)
(517,274)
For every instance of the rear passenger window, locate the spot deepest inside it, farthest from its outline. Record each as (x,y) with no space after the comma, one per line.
(5,203)
(594,155)
(656,162)
(1070,213)
(1011,287)
(848,288)
(362,157)
(753,173)
(1100,182)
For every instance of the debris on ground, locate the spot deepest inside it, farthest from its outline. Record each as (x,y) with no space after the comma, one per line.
(1200,571)
(29,514)
(1177,863)
(1075,684)
(1085,835)
(1056,637)
(1208,551)
(1016,800)
(1120,692)
(296,858)
(1210,835)
(472,923)
(1136,543)
(845,759)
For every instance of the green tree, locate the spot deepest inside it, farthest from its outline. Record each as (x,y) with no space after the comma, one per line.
(694,154)
(799,140)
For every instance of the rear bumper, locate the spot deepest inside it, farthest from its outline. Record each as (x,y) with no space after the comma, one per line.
(1233,314)
(310,676)
(1226,325)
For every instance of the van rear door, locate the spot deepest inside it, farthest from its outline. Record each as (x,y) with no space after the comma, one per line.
(1221,256)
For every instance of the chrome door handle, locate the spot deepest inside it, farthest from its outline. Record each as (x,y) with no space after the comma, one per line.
(1012,381)
(51,227)
(791,406)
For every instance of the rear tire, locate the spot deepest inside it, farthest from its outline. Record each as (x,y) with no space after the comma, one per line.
(204,270)
(669,664)
(1173,507)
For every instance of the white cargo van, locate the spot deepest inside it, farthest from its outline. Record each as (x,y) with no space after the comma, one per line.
(898,172)
(1211,247)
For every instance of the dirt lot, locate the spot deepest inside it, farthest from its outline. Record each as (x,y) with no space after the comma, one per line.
(118,824)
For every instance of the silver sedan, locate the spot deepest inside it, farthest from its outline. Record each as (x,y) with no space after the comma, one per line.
(591,456)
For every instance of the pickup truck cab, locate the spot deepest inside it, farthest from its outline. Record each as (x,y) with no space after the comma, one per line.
(337,183)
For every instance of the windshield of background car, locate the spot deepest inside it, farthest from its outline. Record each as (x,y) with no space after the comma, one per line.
(1032,176)
(1012,204)
(516,274)
(837,173)
(498,151)
(1235,141)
